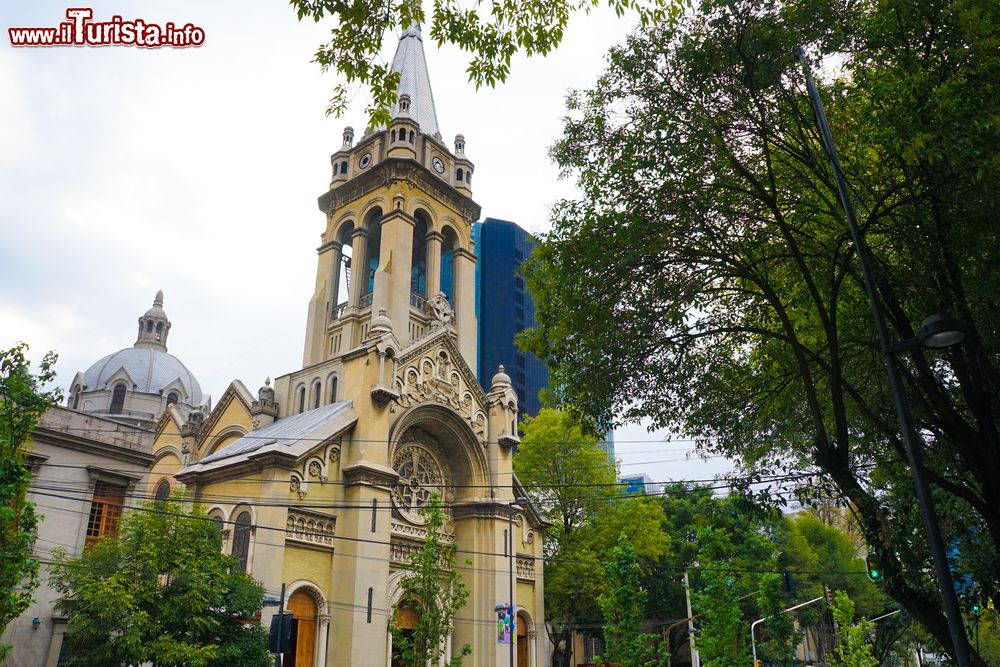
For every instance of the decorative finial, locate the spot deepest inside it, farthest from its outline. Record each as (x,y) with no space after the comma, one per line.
(158,299)
(267,381)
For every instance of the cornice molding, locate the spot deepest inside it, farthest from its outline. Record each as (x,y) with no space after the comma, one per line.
(390,170)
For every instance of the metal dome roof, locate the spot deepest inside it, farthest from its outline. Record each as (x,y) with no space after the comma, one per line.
(149,368)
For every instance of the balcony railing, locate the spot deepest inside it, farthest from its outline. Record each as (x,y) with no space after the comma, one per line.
(338,312)
(365,301)
(418,301)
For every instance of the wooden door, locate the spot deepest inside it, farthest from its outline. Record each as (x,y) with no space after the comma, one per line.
(303,610)
(522,641)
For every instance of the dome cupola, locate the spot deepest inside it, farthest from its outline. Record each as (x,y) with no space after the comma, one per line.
(154,326)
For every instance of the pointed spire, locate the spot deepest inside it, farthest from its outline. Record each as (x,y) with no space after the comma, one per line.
(414,81)
(158,299)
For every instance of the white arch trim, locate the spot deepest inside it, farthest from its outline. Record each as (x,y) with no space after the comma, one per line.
(322,616)
(532,634)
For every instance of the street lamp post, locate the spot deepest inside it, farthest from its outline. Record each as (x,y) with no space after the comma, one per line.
(517,502)
(936,331)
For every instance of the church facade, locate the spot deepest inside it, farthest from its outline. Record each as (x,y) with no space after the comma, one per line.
(318,481)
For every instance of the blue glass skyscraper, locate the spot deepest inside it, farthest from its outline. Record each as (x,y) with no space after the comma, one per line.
(504,307)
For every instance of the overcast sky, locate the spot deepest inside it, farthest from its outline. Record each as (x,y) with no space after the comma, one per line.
(196,171)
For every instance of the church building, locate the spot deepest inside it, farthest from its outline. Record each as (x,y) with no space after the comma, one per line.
(318,481)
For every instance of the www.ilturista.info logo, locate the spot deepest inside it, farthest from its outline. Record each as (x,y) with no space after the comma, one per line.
(81,30)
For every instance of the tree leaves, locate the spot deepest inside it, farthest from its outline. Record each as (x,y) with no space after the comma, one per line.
(161,591)
(491,36)
(22,402)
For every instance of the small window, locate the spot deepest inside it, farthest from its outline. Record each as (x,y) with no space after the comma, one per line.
(519,282)
(241,540)
(519,298)
(411,136)
(117,400)
(518,255)
(393,133)
(162,490)
(302,399)
(317,393)
(343,167)
(519,314)
(159,328)
(76,396)
(105,511)
(458,175)
(172,398)
(149,326)
(333,389)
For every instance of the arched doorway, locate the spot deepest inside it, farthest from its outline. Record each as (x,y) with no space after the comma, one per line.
(523,645)
(406,622)
(303,649)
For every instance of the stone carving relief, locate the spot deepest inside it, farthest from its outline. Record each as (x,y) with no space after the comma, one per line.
(435,377)
(421,475)
(311,527)
(527,534)
(406,531)
(441,310)
(525,568)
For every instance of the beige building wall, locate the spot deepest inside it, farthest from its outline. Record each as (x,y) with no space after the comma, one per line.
(70,452)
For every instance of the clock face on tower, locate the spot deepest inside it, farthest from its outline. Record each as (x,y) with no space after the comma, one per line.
(438,165)
(366,160)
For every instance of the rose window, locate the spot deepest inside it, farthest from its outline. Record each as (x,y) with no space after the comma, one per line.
(420,476)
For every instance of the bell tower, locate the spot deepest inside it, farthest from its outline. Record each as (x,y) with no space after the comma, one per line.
(398,238)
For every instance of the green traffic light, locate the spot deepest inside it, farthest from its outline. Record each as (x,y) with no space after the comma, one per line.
(976,607)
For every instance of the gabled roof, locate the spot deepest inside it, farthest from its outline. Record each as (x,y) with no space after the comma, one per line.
(294,436)
(414,81)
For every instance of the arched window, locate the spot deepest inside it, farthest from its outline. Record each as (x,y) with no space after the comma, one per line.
(458,176)
(411,136)
(149,326)
(117,400)
(159,328)
(342,286)
(373,248)
(333,389)
(172,398)
(448,247)
(418,257)
(317,393)
(76,396)
(302,398)
(343,167)
(241,540)
(162,490)
(393,133)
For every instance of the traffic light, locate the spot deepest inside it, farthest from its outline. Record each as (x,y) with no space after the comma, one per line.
(976,607)
(874,572)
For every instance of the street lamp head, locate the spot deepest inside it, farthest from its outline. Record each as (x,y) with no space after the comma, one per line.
(520,501)
(940,331)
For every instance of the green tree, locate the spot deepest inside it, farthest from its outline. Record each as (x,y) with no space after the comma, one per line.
(854,649)
(22,402)
(590,512)
(161,590)
(491,37)
(624,612)
(434,590)
(705,278)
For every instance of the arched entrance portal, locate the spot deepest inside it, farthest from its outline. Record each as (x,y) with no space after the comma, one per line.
(523,645)
(406,621)
(304,612)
